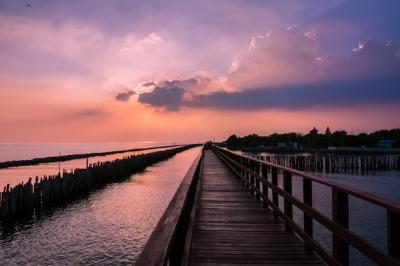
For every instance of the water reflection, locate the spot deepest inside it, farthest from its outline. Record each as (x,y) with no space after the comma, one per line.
(110,226)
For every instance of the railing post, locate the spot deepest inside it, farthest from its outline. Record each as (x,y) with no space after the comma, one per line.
(242,172)
(340,214)
(257,181)
(264,169)
(274,175)
(307,199)
(393,228)
(250,176)
(253,178)
(287,186)
(246,174)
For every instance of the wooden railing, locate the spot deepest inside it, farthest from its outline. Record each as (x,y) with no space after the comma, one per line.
(169,243)
(258,176)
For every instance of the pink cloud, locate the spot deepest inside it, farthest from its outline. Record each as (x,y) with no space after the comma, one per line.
(283,70)
(276,58)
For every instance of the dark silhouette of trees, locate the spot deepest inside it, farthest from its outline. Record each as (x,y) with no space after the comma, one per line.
(328,132)
(313,139)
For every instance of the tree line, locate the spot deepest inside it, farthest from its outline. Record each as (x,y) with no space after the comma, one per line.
(314,139)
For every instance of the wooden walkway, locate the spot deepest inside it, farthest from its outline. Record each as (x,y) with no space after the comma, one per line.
(232,228)
(212,220)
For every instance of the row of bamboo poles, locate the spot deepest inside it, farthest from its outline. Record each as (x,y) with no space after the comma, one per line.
(24,199)
(334,163)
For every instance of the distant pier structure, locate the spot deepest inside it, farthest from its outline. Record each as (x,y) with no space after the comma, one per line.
(336,163)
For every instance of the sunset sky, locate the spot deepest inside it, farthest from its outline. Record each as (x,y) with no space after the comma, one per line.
(182,71)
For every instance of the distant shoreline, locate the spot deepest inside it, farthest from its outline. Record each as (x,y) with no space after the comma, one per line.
(63,158)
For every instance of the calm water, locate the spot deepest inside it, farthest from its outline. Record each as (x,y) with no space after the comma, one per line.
(15,175)
(110,226)
(25,151)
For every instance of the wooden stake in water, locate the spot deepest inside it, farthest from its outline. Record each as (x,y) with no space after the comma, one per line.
(59,162)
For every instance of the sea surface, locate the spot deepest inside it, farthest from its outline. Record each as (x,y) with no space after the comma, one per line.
(109,226)
(26,151)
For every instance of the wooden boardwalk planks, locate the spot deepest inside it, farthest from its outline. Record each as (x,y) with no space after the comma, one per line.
(232,228)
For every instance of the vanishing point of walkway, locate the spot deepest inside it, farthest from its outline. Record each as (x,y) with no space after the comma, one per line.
(231,227)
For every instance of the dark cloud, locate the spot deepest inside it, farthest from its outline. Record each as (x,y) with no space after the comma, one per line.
(169,94)
(185,84)
(124,96)
(326,94)
(168,97)
(369,59)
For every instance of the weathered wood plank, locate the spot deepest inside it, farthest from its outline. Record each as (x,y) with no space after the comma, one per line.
(232,228)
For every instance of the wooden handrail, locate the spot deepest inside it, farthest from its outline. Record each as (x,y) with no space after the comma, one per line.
(243,166)
(166,244)
(372,198)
